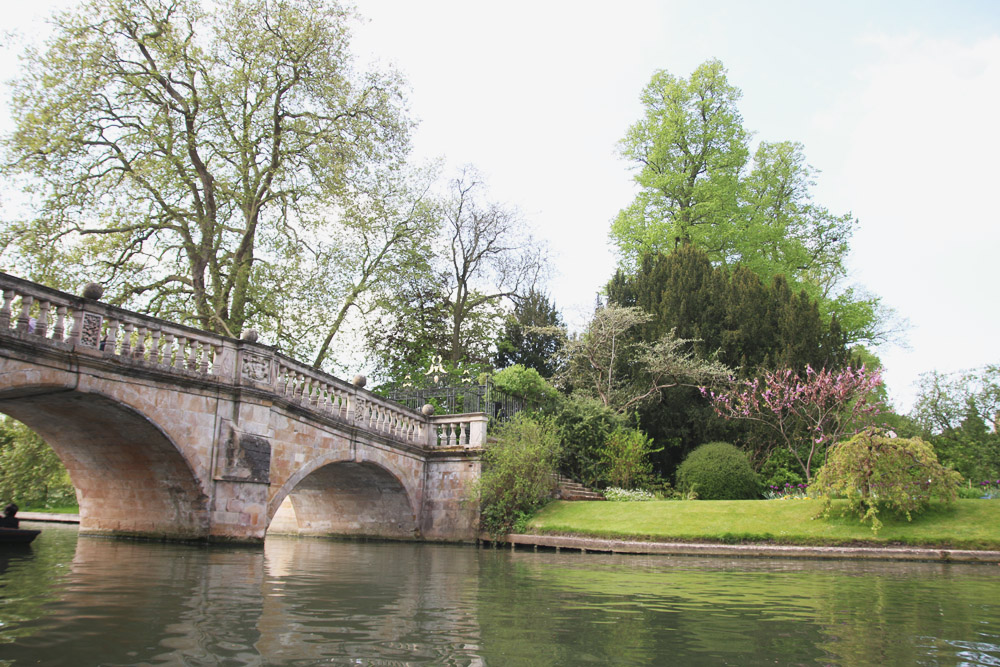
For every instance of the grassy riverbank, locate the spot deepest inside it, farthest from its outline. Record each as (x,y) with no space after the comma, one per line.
(964,524)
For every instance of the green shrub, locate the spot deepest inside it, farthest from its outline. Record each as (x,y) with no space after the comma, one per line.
(624,459)
(585,425)
(526,383)
(718,471)
(876,472)
(518,473)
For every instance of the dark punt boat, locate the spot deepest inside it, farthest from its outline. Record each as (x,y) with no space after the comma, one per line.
(17,535)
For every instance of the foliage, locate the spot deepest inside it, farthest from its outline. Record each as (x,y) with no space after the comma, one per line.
(518,472)
(532,335)
(525,382)
(624,459)
(746,321)
(699,186)
(608,362)
(616,494)
(30,472)
(807,414)
(191,157)
(584,425)
(718,471)
(876,472)
(480,259)
(961,414)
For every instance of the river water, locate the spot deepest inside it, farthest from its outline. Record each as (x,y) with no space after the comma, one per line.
(97,601)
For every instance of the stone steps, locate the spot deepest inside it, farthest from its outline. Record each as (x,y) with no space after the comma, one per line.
(571,490)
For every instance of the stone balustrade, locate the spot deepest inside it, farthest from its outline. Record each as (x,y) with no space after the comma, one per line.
(41,315)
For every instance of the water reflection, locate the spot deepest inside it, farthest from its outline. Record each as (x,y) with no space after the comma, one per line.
(101,601)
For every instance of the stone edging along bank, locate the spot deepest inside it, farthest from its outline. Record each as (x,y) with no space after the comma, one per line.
(585,544)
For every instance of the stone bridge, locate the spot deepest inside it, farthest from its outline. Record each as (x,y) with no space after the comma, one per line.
(171,432)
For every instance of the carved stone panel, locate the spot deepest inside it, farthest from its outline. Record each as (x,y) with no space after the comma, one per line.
(256,368)
(91,332)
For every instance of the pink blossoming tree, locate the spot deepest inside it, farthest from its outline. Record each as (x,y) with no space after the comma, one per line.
(808,414)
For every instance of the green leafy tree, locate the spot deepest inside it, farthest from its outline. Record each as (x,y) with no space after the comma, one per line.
(518,472)
(532,335)
(877,472)
(961,414)
(183,154)
(699,186)
(30,472)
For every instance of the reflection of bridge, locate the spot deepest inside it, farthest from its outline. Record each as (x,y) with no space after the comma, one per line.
(169,431)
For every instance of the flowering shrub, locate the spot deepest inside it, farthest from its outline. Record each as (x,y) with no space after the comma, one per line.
(787,492)
(807,414)
(990,489)
(633,495)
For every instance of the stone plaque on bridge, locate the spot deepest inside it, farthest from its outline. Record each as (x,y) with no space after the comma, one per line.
(91,330)
(244,457)
(256,368)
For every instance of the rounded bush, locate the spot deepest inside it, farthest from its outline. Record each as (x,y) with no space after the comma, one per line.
(718,471)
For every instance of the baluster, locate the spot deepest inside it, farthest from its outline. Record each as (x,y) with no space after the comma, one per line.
(127,340)
(154,346)
(42,325)
(139,351)
(60,329)
(182,342)
(8,298)
(25,319)
(192,361)
(307,389)
(282,384)
(203,364)
(168,349)
(219,349)
(110,337)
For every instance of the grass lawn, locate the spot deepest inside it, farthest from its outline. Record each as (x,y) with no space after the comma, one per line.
(68,509)
(964,524)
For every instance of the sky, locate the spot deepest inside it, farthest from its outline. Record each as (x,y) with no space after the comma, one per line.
(895,103)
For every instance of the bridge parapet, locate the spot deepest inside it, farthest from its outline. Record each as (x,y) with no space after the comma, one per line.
(42,315)
(39,313)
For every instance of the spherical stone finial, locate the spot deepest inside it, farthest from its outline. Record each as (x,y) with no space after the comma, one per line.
(427,410)
(93,291)
(250,335)
(360,381)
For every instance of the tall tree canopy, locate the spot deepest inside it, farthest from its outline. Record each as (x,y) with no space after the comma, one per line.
(748,323)
(532,335)
(181,152)
(481,261)
(699,186)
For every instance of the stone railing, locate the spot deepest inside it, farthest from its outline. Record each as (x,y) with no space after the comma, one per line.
(38,314)
(468,430)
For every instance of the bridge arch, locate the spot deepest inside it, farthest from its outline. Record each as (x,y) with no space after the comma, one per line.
(333,495)
(130,476)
